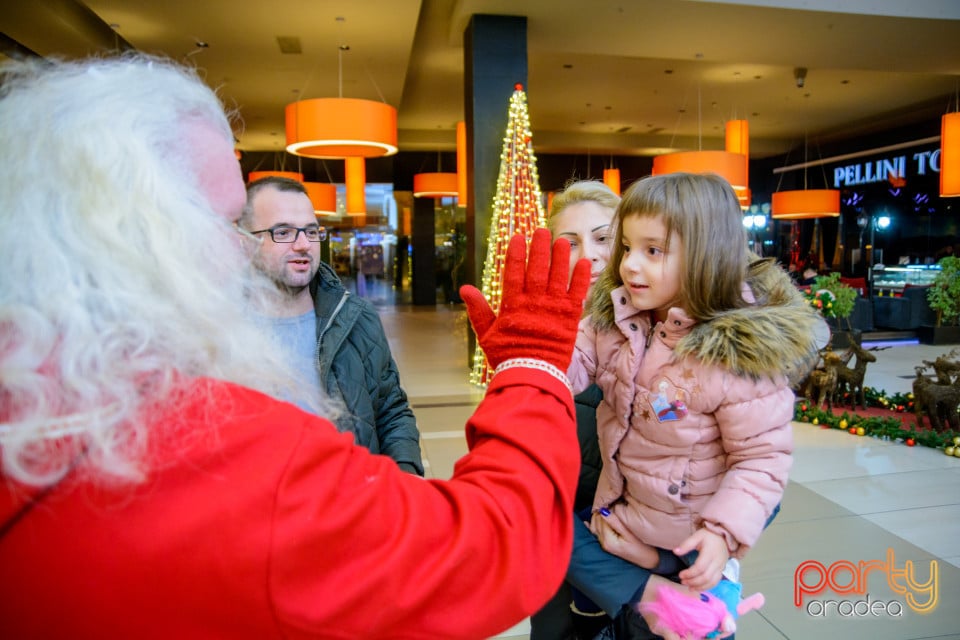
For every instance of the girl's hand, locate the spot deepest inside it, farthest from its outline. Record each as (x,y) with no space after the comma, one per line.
(706,572)
(617,539)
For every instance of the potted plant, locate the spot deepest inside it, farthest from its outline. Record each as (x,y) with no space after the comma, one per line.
(944,299)
(834,300)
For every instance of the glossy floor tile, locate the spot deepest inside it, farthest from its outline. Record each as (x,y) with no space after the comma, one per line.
(850,500)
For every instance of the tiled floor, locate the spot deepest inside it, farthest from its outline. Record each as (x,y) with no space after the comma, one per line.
(850,499)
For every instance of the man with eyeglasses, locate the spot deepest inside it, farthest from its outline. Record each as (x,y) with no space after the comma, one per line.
(336,340)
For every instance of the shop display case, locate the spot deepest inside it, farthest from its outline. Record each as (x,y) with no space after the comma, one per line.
(890,281)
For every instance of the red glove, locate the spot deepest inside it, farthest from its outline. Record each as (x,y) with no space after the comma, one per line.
(539,314)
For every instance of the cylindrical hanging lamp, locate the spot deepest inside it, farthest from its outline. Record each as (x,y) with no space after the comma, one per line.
(738,141)
(434,185)
(745,197)
(355,174)
(611,178)
(950,155)
(729,166)
(340,128)
(323,196)
(292,175)
(805,203)
(461,164)
(737,137)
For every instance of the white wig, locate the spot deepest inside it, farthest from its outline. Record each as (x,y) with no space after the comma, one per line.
(119,281)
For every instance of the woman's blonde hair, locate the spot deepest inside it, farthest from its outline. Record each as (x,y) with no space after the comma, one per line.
(120,284)
(704,214)
(580,191)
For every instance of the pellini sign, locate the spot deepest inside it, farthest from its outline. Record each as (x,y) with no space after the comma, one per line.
(894,169)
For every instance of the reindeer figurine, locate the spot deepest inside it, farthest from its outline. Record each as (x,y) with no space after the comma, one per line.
(850,380)
(920,384)
(939,399)
(947,367)
(822,383)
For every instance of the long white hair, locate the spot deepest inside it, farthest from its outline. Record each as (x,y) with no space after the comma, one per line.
(118,281)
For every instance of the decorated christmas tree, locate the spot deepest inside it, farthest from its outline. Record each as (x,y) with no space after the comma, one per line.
(516,209)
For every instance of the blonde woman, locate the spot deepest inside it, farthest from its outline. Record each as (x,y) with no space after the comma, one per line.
(583,215)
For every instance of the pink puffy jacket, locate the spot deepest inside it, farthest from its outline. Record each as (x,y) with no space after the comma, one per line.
(694,428)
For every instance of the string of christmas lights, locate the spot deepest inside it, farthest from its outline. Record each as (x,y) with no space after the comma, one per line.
(517,208)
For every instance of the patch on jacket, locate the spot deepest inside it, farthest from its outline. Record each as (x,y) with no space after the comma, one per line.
(668,401)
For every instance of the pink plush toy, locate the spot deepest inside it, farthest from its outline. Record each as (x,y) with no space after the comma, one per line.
(712,615)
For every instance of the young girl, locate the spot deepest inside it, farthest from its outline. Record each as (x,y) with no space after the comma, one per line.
(694,343)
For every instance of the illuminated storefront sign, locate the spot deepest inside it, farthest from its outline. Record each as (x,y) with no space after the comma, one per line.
(892,169)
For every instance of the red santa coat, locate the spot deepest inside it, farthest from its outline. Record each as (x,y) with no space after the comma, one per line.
(269,523)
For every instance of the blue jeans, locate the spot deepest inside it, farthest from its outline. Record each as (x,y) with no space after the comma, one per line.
(606,579)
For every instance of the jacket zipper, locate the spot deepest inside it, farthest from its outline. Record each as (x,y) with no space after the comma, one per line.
(653,326)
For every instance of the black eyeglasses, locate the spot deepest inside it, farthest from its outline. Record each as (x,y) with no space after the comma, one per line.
(287,234)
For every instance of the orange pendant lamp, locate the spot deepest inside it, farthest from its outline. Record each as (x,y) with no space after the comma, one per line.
(611,178)
(435,185)
(355,176)
(292,175)
(950,155)
(737,140)
(438,184)
(341,127)
(729,166)
(805,203)
(323,197)
(461,164)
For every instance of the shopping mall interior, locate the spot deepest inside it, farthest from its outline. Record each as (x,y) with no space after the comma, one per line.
(849,97)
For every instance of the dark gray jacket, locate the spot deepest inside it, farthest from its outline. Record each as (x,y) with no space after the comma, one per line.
(357,367)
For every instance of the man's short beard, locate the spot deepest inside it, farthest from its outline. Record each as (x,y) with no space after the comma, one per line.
(287,290)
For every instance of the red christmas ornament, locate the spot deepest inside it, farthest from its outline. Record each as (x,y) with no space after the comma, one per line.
(518,87)
(911,442)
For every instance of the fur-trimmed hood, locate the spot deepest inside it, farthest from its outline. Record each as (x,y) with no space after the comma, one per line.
(777,334)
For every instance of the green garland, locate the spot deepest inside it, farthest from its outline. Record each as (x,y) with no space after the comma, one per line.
(891,429)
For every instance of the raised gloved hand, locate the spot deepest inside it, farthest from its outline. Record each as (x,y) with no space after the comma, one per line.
(539,312)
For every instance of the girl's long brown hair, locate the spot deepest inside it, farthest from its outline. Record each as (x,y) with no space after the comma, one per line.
(704,214)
